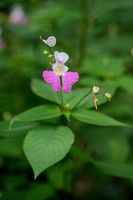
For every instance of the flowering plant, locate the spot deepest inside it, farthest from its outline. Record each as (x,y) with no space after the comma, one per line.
(49,136)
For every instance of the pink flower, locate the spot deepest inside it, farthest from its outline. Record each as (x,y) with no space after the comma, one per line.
(2,43)
(17,16)
(59,69)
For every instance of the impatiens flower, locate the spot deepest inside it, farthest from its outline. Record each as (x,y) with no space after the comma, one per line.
(59,69)
(17,16)
(2,43)
(51,41)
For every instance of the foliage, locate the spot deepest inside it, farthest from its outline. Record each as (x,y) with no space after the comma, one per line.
(77,151)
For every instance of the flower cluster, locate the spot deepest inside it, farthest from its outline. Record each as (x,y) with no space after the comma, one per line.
(96,90)
(59,69)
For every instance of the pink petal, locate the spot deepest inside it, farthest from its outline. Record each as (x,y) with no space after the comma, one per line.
(68,80)
(54,80)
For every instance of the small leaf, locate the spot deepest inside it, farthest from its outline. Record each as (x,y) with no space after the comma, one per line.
(44,90)
(95,117)
(47,111)
(18,128)
(44,146)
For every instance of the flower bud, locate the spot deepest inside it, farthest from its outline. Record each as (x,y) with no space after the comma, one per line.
(50,55)
(95,89)
(108,96)
(97,100)
(46,52)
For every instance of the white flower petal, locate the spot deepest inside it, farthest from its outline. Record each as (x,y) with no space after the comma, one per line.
(51,41)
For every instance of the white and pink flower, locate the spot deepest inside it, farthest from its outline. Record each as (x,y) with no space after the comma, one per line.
(59,69)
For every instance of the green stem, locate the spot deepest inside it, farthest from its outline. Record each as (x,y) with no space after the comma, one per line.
(47,45)
(62,97)
(82,98)
(59,98)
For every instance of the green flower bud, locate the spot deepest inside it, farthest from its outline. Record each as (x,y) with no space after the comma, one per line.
(108,96)
(50,55)
(97,100)
(46,52)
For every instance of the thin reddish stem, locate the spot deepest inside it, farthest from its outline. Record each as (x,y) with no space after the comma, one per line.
(95,102)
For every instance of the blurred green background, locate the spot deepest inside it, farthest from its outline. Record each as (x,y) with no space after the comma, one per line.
(97,36)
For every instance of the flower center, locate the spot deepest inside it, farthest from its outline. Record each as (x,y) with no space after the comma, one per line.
(60,69)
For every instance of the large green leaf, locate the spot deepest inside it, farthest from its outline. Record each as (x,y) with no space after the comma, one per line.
(123,170)
(95,117)
(44,146)
(19,128)
(108,143)
(115,169)
(44,90)
(47,111)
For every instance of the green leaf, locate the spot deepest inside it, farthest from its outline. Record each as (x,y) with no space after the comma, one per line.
(19,128)
(108,144)
(95,117)
(47,111)
(44,90)
(40,191)
(57,172)
(115,169)
(103,66)
(126,82)
(11,147)
(111,168)
(44,146)
(77,95)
